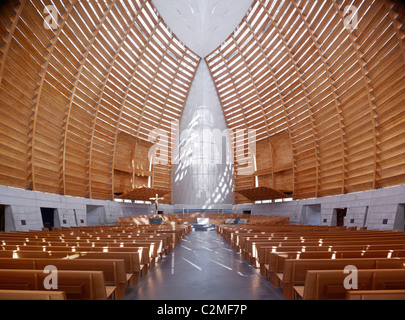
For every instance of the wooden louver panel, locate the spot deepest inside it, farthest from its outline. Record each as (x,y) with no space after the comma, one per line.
(107,67)
(292,66)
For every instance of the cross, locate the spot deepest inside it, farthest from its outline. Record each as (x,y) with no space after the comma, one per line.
(156,202)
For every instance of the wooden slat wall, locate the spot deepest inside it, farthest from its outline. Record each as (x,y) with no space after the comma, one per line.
(274,163)
(131,165)
(290,67)
(111,66)
(339,94)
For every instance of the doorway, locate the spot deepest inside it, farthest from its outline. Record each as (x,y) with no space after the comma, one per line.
(49,219)
(6,219)
(2,218)
(402,208)
(339,215)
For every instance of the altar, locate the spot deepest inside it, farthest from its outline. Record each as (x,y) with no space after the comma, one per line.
(203,221)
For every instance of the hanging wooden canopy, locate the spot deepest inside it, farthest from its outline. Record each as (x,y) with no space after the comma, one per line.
(144,194)
(263,193)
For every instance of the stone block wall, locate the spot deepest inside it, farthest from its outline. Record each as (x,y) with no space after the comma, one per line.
(382,209)
(375,209)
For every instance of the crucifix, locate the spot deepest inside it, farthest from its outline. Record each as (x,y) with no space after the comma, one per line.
(156,203)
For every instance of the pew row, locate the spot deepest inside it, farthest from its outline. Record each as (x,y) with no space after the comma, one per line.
(77,285)
(329,284)
(295,270)
(113,270)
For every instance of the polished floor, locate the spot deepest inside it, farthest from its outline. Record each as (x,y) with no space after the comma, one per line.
(204,267)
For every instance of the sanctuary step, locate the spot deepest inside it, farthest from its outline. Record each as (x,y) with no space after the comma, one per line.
(202,227)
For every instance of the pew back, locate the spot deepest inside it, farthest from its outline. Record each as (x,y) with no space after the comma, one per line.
(329,284)
(77,285)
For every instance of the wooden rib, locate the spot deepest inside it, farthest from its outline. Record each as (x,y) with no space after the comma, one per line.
(234,89)
(368,88)
(135,69)
(253,83)
(97,107)
(95,33)
(39,89)
(11,30)
(397,25)
(152,83)
(310,112)
(281,98)
(335,94)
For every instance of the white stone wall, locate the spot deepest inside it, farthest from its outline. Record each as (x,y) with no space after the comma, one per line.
(24,209)
(381,204)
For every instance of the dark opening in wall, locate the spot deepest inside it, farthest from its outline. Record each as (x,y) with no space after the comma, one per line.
(339,216)
(48,218)
(2,218)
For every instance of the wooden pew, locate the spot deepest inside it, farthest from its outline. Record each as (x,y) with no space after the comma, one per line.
(329,284)
(250,248)
(295,270)
(142,248)
(276,259)
(32,295)
(267,251)
(77,285)
(114,270)
(132,260)
(375,295)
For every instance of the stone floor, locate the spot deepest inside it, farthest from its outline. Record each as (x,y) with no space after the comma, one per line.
(204,267)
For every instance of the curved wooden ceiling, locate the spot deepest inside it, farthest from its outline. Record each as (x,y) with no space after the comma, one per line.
(113,66)
(339,93)
(107,67)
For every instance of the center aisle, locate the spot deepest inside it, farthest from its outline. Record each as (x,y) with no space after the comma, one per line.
(204,267)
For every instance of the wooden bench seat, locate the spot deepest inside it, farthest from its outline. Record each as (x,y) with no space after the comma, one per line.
(77,285)
(329,284)
(32,295)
